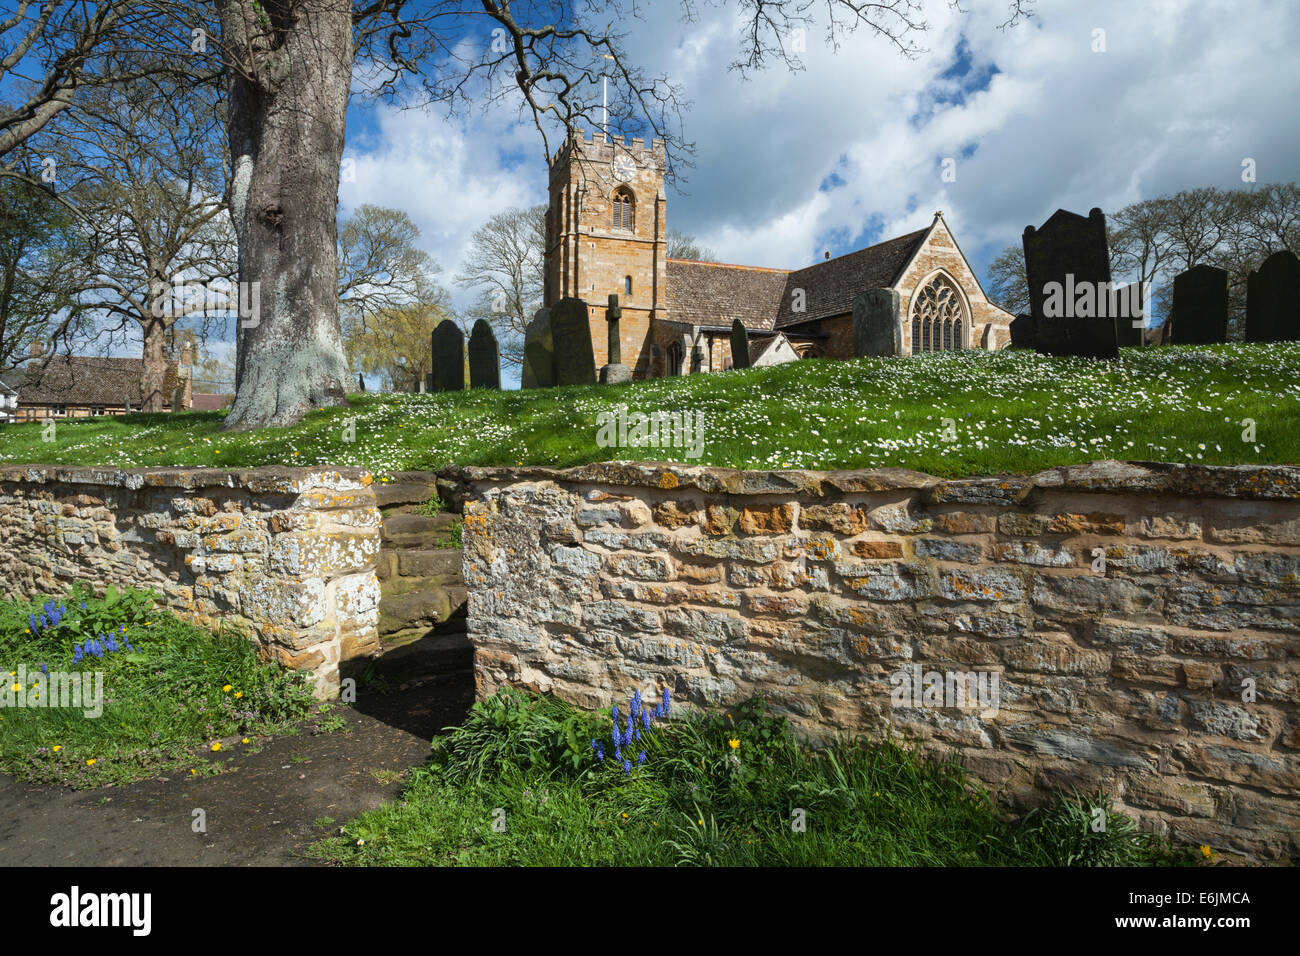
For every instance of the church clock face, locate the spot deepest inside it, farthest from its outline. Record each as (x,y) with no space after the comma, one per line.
(624,168)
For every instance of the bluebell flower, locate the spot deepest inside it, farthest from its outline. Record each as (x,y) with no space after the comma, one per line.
(667,701)
(627,766)
(83,605)
(600,754)
(645,719)
(638,734)
(31,619)
(76,653)
(614,713)
(659,711)
(640,758)
(44,669)
(615,736)
(593,743)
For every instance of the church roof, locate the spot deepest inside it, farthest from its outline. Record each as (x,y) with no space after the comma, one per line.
(712,293)
(830,287)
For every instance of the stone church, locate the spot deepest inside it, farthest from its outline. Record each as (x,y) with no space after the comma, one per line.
(607,233)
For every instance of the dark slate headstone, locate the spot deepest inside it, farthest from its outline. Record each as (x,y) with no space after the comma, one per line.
(575,362)
(1271,312)
(876,327)
(178,399)
(539,352)
(1127,307)
(739,345)
(1069,252)
(1022,331)
(361,381)
(1200,311)
(484,358)
(448,358)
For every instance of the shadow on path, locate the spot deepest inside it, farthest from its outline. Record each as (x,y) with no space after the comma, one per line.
(261,810)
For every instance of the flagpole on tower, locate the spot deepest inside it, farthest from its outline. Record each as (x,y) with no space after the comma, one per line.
(604,101)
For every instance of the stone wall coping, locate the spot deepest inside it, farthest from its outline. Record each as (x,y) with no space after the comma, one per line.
(263,480)
(1274,482)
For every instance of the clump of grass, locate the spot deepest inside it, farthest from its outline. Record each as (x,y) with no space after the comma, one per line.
(175,694)
(433,507)
(520,783)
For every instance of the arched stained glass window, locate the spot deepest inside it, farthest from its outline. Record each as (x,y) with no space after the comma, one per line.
(937,310)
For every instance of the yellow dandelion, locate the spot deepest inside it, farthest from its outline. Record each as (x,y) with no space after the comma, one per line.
(239,693)
(1206,852)
(700,822)
(90,762)
(16,687)
(244,741)
(735,743)
(217,745)
(226,689)
(58,747)
(625,816)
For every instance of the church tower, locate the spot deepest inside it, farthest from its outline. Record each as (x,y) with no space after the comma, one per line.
(606,233)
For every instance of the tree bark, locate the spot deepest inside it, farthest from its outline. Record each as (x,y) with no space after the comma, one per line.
(153,374)
(289,68)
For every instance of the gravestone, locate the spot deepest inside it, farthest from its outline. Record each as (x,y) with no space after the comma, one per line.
(539,352)
(1068,270)
(128,404)
(575,362)
(1271,312)
(448,373)
(361,381)
(1200,311)
(1127,307)
(614,371)
(1022,331)
(178,400)
(484,357)
(876,329)
(739,345)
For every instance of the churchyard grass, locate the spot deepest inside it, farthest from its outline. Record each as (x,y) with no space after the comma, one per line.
(175,698)
(946,413)
(519,784)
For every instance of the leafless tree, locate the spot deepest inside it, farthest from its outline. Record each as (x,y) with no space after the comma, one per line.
(505,266)
(143,162)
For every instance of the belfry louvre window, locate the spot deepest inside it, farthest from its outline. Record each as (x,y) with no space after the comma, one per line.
(622,209)
(936,317)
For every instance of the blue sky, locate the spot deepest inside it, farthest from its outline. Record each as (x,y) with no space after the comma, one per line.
(850,150)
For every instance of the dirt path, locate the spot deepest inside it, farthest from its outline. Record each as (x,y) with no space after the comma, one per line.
(260,812)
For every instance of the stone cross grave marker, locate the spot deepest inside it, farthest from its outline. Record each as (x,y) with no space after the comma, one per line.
(614,371)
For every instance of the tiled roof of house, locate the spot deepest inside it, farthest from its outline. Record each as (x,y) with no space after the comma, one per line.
(712,293)
(830,287)
(88,380)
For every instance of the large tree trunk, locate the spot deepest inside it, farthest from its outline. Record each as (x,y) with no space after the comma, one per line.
(153,375)
(288,74)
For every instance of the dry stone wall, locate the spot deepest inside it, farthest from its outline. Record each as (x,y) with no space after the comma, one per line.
(1126,626)
(288,554)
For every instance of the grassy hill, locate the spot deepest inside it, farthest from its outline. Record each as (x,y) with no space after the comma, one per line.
(1008,412)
